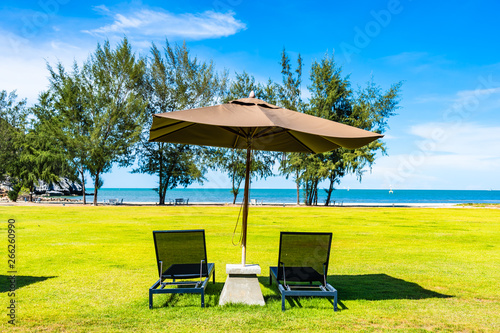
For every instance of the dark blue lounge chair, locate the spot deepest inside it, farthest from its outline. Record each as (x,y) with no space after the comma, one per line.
(303,266)
(181,255)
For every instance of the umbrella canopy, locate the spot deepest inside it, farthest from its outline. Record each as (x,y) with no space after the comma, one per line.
(262,126)
(252,124)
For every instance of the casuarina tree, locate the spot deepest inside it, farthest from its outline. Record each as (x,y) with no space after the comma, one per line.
(102,107)
(176,81)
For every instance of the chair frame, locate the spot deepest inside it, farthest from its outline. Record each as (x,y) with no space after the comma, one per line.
(198,286)
(287,290)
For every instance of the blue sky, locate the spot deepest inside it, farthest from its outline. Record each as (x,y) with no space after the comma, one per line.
(446,134)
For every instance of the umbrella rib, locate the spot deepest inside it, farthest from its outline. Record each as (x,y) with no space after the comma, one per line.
(177,130)
(253,133)
(229,129)
(236,133)
(166,126)
(264,131)
(300,142)
(268,132)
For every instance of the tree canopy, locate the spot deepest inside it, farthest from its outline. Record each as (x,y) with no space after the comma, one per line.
(101,109)
(98,114)
(13,122)
(332,98)
(176,81)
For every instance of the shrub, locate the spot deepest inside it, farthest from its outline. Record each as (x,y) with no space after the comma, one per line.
(13,195)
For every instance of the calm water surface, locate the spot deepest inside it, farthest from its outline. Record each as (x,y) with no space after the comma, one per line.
(290,195)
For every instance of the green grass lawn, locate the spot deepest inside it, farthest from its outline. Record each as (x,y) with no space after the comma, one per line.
(84,269)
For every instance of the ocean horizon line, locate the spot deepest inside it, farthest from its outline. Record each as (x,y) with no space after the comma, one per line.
(272,188)
(224,195)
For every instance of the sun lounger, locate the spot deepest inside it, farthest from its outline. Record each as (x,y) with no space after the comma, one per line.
(303,266)
(181,257)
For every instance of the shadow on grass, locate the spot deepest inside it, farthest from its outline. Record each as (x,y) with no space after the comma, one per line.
(20,281)
(212,295)
(370,287)
(378,287)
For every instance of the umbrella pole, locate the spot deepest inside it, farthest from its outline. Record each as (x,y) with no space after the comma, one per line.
(245,208)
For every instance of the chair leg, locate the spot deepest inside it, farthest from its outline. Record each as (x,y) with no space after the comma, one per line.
(202,299)
(335,303)
(150,299)
(214,277)
(283,302)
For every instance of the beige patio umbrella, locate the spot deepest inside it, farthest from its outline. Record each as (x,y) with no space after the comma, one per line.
(252,124)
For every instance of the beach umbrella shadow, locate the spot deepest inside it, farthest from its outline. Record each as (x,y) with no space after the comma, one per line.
(8,281)
(370,287)
(379,287)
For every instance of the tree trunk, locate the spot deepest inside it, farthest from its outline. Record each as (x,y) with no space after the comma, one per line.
(96,185)
(312,192)
(31,193)
(316,184)
(307,189)
(315,197)
(330,191)
(236,187)
(163,191)
(83,186)
(297,182)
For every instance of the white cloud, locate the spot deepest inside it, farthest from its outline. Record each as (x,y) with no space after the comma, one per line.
(459,138)
(24,63)
(487,89)
(446,156)
(208,24)
(417,62)
(466,94)
(458,148)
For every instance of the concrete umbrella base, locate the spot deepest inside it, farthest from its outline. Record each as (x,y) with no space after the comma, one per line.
(242,285)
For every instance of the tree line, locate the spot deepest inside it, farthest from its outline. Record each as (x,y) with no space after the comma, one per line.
(98,113)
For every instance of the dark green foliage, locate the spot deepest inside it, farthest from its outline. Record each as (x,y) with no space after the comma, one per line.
(29,152)
(13,195)
(69,119)
(176,81)
(41,155)
(290,98)
(101,109)
(99,114)
(332,98)
(13,123)
(289,92)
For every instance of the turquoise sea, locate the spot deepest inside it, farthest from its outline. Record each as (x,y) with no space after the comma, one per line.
(290,196)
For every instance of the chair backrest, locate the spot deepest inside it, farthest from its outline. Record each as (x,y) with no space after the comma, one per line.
(304,255)
(180,253)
